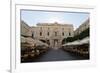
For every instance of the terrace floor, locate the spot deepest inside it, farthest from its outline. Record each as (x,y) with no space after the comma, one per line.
(57,55)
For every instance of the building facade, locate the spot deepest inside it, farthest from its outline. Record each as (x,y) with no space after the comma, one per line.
(52,33)
(82,27)
(25,30)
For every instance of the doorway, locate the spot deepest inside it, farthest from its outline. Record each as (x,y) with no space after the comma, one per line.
(55,43)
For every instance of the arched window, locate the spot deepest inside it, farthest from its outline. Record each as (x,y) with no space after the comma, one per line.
(69,34)
(40,33)
(62,33)
(48,33)
(32,34)
(48,42)
(55,33)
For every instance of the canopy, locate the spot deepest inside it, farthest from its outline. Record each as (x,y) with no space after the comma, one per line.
(23,40)
(39,43)
(78,42)
(32,41)
(85,40)
(73,43)
(26,43)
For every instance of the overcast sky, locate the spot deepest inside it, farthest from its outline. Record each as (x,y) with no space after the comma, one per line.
(34,17)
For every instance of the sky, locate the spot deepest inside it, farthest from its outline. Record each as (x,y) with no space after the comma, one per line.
(32,17)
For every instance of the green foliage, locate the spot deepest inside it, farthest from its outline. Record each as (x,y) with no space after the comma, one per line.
(82,35)
(69,39)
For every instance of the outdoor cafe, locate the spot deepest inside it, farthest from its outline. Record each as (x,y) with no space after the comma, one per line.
(31,48)
(80,47)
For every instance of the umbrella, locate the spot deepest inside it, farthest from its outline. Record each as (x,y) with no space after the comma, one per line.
(85,40)
(23,40)
(32,41)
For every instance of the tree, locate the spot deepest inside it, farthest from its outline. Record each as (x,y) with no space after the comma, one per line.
(82,35)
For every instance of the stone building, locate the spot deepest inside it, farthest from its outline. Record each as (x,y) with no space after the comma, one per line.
(52,33)
(25,30)
(82,27)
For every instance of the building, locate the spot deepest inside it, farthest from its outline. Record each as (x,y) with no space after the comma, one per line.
(25,30)
(52,33)
(82,27)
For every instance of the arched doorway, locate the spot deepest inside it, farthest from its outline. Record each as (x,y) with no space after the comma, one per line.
(64,41)
(55,43)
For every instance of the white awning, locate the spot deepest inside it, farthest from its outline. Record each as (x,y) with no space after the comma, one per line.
(85,40)
(78,42)
(23,40)
(37,42)
(27,42)
(72,43)
(32,41)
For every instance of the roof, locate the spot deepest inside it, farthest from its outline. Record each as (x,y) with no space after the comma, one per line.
(54,24)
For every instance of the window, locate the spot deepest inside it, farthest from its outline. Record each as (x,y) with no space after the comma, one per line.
(40,33)
(48,42)
(69,34)
(33,35)
(62,33)
(55,33)
(48,33)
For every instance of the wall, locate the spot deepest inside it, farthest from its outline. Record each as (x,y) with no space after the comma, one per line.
(82,27)
(25,29)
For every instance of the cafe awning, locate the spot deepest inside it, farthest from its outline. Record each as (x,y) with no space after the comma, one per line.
(85,40)
(27,43)
(72,43)
(23,40)
(78,42)
(32,41)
